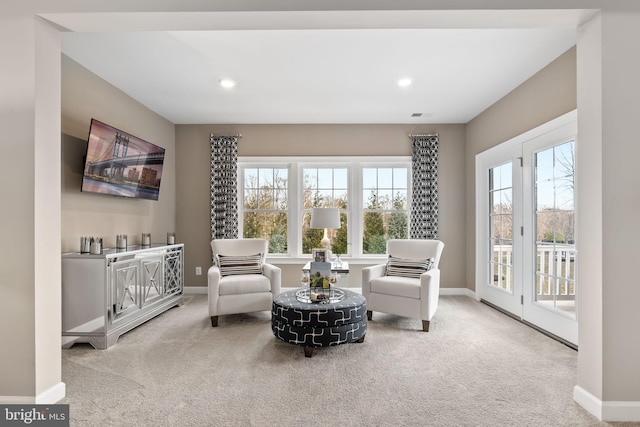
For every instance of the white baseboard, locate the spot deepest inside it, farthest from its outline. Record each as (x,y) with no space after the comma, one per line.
(628,411)
(588,401)
(458,291)
(50,396)
(202,290)
(17,400)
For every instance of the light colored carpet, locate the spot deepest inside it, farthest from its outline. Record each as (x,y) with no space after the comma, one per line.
(477,367)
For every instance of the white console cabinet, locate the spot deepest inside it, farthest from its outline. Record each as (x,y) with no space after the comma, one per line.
(106,295)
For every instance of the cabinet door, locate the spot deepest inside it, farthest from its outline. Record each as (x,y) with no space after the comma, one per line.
(151,289)
(124,287)
(173,272)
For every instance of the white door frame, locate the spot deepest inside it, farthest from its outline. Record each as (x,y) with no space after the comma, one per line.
(497,156)
(559,128)
(550,320)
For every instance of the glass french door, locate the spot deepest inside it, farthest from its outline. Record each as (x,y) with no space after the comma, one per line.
(525,223)
(499,201)
(550,239)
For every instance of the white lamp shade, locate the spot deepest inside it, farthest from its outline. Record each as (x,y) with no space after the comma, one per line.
(325,218)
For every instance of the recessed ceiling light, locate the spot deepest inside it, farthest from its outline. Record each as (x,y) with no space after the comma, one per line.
(404,82)
(227,83)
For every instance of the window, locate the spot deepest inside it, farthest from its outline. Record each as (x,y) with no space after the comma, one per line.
(265,208)
(277,195)
(325,188)
(555,227)
(501,227)
(385,213)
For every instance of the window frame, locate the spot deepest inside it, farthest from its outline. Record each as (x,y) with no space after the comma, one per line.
(240,201)
(363,209)
(355,211)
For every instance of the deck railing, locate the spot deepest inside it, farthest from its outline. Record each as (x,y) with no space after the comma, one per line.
(555,273)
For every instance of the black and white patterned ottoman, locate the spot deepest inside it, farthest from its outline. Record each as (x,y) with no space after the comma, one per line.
(319,325)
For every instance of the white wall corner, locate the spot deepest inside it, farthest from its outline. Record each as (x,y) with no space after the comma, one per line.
(622,411)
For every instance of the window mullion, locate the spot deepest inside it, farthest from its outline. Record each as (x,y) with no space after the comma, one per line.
(355,195)
(240,193)
(295,207)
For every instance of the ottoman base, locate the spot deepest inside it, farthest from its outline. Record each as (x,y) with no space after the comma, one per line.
(319,325)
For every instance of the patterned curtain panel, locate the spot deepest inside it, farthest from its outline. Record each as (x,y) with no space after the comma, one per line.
(424,194)
(224,187)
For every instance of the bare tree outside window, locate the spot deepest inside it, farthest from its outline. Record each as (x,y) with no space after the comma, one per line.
(381,211)
(265,207)
(501,226)
(555,226)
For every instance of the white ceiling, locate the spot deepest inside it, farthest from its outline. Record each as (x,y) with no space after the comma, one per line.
(319,75)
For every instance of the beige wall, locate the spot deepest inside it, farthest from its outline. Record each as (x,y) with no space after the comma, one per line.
(547,95)
(86,96)
(192,183)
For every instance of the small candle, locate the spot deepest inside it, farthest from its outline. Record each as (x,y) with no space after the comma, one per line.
(121,241)
(96,246)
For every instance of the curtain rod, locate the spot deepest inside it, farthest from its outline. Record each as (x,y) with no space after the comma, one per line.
(237,135)
(411,135)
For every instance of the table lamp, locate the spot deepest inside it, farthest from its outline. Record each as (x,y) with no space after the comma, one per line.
(325,218)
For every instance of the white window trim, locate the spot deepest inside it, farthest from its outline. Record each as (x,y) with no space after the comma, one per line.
(295,165)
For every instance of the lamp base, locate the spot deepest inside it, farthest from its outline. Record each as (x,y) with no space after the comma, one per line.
(325,242)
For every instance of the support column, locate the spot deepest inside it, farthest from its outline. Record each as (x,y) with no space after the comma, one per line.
(30,357)
(608,227)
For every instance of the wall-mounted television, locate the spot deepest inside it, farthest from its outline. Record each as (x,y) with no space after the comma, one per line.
(120,164)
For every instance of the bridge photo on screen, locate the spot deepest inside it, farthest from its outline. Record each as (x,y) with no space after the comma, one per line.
(120,164)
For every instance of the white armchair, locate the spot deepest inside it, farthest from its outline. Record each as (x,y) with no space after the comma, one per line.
(239,281)
(415,297)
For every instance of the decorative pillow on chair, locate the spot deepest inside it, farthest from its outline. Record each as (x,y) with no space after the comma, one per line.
(239,264)
(408,267)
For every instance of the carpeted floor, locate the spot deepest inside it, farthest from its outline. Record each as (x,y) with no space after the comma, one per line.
(477,367)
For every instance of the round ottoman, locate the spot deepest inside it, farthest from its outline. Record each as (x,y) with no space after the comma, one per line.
(319,325)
